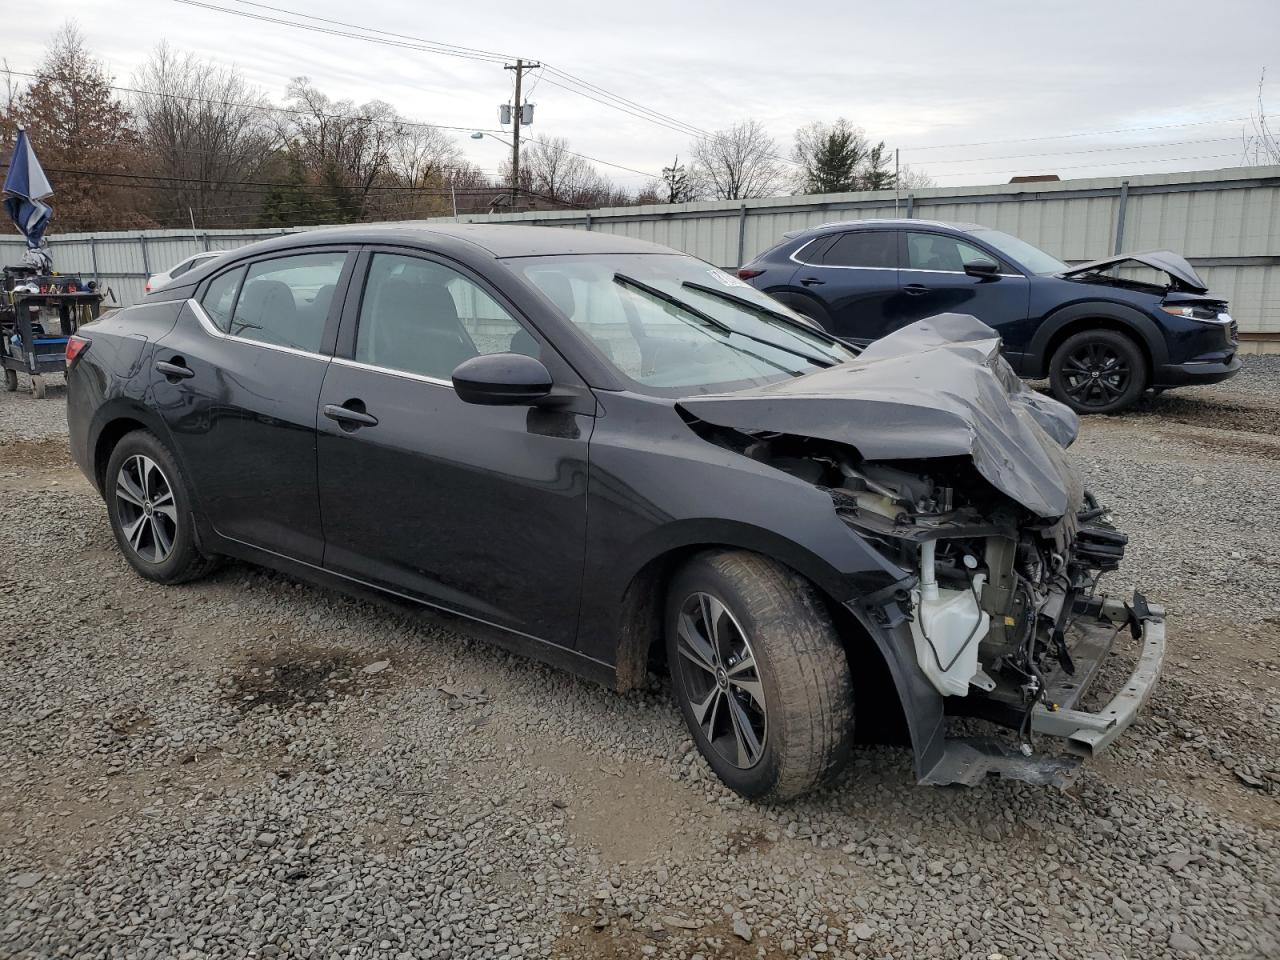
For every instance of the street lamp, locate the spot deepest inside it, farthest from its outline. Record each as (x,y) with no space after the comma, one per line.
(515,161)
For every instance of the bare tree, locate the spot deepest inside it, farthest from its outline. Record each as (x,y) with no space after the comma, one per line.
(422,156)
(1261,145)
(206,130)
(909,179)
(344,150)
(738,163)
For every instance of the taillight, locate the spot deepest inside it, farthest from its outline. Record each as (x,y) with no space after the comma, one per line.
(76,345)
(746,273)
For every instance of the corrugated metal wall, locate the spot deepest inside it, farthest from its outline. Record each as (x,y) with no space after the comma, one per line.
(1227,222)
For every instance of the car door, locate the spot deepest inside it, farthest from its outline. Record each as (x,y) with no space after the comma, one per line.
(855,275)
(932,281)
(238,388)
(480,510)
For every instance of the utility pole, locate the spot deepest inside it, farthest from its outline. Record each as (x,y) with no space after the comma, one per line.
(521,68)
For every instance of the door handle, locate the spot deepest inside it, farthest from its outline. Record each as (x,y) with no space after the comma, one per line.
(812,282)
(175,370)
(915,289)
(350,415)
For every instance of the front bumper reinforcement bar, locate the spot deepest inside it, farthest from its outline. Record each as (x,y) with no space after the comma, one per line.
(1091,733)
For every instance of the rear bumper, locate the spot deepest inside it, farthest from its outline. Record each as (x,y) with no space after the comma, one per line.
(1187,374)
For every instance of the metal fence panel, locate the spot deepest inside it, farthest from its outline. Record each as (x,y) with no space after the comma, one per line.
(1227,222)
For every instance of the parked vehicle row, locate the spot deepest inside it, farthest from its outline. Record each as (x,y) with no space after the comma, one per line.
(615,458)
(1101,332)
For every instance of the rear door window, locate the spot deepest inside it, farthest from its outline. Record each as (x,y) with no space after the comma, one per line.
(220,297)
(285,301)
(863,248)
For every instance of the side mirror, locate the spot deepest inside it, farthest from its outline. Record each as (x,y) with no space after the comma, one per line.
(502,379)
(982,268)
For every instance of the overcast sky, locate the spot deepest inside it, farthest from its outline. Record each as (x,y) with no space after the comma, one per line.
(924,76)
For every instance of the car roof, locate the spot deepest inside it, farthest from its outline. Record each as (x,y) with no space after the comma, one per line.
(882,223)
(499,240)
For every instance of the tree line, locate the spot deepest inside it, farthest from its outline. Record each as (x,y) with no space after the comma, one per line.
(189,141)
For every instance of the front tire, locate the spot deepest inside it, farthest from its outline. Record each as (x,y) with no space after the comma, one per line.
(760,675)
(1098,371)
(149,507)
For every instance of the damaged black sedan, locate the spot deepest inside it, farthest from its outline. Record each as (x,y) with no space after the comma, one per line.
(616,458)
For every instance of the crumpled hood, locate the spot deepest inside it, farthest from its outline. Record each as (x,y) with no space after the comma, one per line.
(936,388)
(1182,275)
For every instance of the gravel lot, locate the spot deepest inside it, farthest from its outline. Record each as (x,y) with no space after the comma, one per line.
(251,767)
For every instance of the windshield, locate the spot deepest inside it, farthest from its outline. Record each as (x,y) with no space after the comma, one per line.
(674,325)
(1033,258)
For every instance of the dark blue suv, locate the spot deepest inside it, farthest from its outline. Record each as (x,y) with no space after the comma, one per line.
(1102,332)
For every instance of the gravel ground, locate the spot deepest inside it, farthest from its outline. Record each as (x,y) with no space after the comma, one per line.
(251,767)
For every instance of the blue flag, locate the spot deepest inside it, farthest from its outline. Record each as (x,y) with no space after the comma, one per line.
(25,188)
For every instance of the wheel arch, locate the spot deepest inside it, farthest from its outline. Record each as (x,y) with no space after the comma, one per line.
(110,426)
(883,695)
(1096,315)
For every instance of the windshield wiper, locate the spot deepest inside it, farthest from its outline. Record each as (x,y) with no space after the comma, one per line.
(720,324)
(675,301)
(762,310)
(767,314)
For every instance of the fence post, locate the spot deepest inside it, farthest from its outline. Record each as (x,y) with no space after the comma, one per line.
(146,261)
(588,219)
(93,255)
(1121,210)
(206,241)
(911,205)
(742,233)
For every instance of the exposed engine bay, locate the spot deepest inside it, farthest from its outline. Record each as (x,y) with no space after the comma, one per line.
(994,586)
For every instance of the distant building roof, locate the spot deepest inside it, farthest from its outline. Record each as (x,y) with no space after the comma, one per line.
(1036,178)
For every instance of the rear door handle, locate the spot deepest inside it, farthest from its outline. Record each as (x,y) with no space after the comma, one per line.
(175,370)
(812,282)
(351,415)
(915,289)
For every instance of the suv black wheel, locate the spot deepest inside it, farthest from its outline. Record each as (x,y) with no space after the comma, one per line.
(150,511)
(760,674)
(1098,371)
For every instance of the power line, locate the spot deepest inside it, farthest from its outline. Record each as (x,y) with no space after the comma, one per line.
(269,108)
(1065,136)
(1089,166)
(1073,153)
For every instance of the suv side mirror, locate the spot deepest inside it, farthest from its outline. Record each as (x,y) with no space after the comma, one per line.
(982,268)
(502,379)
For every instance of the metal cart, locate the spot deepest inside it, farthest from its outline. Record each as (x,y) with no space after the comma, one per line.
(37,316)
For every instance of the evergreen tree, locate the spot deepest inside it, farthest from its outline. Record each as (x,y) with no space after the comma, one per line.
(676,181)
(829,156)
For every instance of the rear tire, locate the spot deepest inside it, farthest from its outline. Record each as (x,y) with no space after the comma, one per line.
(770,702)
(149,507)
(10,380)
(1098,371)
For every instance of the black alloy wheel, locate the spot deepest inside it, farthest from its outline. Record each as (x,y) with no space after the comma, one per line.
(1097,371)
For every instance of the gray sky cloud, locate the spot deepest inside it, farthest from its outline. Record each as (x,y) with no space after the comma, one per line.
(925,76)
